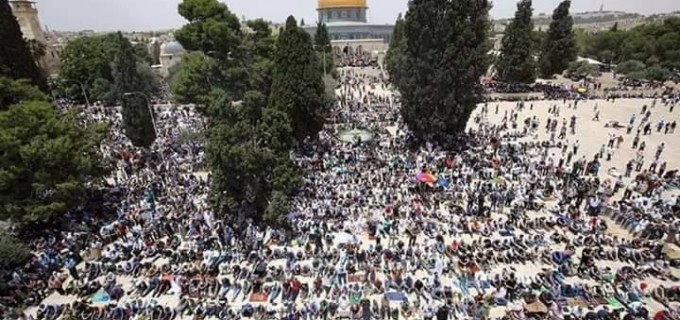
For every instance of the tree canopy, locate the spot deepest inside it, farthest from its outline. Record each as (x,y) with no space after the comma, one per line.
(13,252)
(322,44)
(517,62)
(16,59)
(216,32)
(248,155)
(191,83)
(137,118)
(212,28)
(89,61)
(652,45)
(298,87)
(47,159)
(394,59)
(17,91)
(559,46)
(582,69)
(231,75)
(445,56)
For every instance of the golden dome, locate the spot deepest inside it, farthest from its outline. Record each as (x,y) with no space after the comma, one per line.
(333,4)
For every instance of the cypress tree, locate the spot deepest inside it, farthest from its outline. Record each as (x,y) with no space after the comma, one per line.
(298,88)
(615,27)
(559,46)
(395,54)
(445,57)
(137,120)
(16,61)
(321,38)
(517,63)
(322,44)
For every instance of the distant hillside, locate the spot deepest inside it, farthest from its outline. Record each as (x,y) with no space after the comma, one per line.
(593,21)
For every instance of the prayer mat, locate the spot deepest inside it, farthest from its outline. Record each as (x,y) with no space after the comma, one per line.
(357,277)
(258,297)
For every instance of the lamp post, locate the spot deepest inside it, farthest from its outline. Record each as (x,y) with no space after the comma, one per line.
(82,89)
(324,55)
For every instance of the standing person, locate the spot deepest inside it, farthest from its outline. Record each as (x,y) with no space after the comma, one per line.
(629,190)
(662,169)
(629,168)
(640,163)
(655,163)
(636,141)
(576,145)
(659,150)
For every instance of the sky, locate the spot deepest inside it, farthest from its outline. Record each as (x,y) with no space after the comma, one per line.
(143,15)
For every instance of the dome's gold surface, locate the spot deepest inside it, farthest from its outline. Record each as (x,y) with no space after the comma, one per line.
(331,4)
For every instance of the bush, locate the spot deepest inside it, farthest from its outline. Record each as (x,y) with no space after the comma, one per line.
(657,73)
(12,251)
(630,66)
(582,69)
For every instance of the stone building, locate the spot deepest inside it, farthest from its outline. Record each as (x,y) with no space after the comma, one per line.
(26,13)
(348,27)
(171,54)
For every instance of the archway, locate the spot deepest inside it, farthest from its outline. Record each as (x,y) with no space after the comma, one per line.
(348,50)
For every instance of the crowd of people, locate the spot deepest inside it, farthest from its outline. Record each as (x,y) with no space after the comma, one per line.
(490,224)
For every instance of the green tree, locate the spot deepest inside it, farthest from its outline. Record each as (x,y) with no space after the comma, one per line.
(215,31)
(248,154)
(142,54)
(322,39)
(192,81)
(13,252)
(615,27)
(212,28)
(88,60)
(657,73)
(298,87)
(630,66)
(517,63)
(260,46)
(46,162)
(84,60)
(446,55)
(394,59)
(137,119)
(559,47)
(104,91)
(582,69)
(16,60)
(17,91)
(322,44)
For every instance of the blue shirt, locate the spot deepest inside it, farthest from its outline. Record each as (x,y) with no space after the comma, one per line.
(70,263)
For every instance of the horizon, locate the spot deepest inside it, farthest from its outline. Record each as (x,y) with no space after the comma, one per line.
(160,15)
